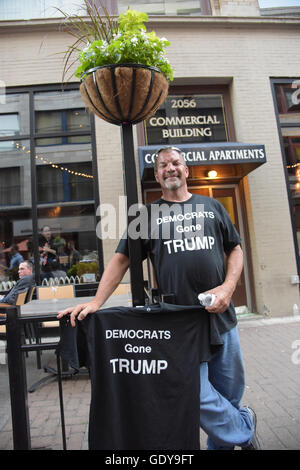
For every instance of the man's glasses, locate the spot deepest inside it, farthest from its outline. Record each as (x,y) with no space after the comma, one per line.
(168,148)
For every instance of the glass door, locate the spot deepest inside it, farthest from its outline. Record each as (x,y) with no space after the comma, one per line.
(227,197)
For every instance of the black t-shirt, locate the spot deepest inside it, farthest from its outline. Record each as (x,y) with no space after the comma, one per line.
(186,243)
(145,379)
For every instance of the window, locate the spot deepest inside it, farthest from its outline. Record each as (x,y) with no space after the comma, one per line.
(59,121)
(70,182)
(14,9)
(14,121)
(9,125)
(287,101)
(10,186)
(165,7)
(279,7)
(47,184)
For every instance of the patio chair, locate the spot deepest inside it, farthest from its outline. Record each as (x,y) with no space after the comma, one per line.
(54,292)
(20,301)
(58,292)
(49,328)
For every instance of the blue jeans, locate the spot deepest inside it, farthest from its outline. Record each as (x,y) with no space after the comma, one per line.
(222,387)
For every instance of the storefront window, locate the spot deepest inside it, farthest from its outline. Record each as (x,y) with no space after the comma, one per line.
(15,205)
(288,106)
(47,190)
(65,190)
(70,232)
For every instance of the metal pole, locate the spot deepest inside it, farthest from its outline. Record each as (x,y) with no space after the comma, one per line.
(96,193)
(35,230)
(17,380)
(135,249)
(62,413)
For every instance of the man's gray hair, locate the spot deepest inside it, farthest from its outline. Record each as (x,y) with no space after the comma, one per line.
(168,148)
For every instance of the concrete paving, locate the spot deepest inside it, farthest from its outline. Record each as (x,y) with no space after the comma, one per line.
(271,349)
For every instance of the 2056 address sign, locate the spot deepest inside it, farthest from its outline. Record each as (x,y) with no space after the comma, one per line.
(187,119)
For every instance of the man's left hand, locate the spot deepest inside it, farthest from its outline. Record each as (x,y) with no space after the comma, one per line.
(223,295)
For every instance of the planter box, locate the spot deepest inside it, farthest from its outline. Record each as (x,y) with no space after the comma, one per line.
(124,94)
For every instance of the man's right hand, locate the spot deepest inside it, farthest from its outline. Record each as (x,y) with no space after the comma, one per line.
(111,278)
(80,311)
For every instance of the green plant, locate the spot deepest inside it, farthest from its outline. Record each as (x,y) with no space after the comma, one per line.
(107,41)
(83,268)
(73,270)
(59,241)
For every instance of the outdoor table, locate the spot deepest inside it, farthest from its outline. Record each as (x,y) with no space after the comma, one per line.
(49,308)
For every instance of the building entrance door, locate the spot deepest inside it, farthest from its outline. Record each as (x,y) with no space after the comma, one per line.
(228,196)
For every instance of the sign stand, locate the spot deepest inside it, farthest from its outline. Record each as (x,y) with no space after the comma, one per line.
(134,245)
(17,380)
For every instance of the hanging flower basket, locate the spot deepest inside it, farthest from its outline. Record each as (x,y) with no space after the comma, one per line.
(126,73)
(124,93)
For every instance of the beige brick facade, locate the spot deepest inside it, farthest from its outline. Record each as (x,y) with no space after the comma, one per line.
(243,52)
(237,7)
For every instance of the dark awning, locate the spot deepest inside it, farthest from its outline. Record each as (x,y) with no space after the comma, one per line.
(217,153)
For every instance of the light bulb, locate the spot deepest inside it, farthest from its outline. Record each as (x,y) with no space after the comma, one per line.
(212,174)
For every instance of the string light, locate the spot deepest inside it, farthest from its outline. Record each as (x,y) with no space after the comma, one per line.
(295,165)
(53,165)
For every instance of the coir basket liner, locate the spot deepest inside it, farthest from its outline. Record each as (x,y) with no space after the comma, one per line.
(122,94)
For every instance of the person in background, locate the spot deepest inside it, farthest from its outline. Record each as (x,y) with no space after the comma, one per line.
(16,257)
(74,255)
(48,253)
(26,280)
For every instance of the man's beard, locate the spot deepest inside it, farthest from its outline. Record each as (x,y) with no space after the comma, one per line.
(173,184)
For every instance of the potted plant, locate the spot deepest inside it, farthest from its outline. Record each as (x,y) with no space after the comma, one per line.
(123,68)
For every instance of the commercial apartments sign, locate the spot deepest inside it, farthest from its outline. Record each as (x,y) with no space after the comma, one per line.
(217,153)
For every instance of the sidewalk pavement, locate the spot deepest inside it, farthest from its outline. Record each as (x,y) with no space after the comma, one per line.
(271,349)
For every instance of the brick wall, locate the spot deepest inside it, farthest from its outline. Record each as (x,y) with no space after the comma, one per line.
(238,8)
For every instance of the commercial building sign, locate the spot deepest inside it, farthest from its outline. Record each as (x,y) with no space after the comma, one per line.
(183,119)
